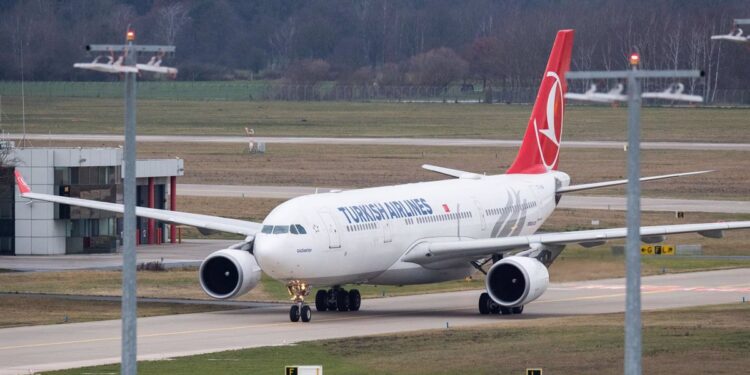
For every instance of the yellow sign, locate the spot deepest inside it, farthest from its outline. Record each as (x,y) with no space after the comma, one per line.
(657,250)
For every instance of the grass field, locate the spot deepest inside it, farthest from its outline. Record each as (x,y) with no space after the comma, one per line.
(713,339)
(368,166)
(347,119)
(16,310)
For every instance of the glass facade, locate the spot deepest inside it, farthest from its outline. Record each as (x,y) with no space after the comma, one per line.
(7,207)
(89,230)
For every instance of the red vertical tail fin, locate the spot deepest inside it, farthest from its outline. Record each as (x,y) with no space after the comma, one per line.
(541,145)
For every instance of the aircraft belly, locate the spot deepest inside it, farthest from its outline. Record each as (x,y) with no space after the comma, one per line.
(409,273)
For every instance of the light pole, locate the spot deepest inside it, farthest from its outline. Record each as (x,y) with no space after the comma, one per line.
(633,348)
(127,66)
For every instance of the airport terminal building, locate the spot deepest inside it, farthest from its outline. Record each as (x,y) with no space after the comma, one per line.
(44,228)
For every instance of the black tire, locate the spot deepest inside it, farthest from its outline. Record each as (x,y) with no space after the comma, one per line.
(494,307)
(306,313)
(332,306)
(355,300)
(321,300)
(517,310)
(294,313)
(505,310)
(484,303)
(342,300)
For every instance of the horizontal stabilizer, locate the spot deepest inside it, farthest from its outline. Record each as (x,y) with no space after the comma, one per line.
(596,185)
(452,172)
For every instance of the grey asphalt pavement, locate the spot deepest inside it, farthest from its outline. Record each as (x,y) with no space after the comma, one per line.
(25,350)
(462,142)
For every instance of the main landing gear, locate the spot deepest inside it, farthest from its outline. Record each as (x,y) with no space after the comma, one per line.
(337,299)
(300,310)
(488,306)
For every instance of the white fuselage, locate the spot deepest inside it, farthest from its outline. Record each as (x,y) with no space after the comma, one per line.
(360,236)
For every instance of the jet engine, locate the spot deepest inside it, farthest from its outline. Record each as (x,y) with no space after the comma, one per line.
(229,273)
(516,281)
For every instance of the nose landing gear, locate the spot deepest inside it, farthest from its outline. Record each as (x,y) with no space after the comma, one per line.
(299,290)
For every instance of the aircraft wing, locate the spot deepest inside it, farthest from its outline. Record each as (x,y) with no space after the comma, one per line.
(596,185)
(217,223)
(437,251)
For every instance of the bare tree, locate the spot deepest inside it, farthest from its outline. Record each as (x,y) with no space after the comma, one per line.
(7,156)
(281,43)
(122,16)
(172,19)
(673,42)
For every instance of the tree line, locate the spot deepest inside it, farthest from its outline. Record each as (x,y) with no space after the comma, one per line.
(377,42)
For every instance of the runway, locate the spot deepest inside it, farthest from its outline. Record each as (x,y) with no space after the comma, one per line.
(29,349)
(453,142)
(568,201)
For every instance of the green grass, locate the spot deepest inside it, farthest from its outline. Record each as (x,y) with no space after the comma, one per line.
(349,119)
(711,339)
(26,310)
(224,90)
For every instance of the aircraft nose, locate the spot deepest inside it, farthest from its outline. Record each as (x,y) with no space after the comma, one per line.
(270,252)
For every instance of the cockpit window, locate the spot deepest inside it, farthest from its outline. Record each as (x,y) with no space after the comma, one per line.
(281,229)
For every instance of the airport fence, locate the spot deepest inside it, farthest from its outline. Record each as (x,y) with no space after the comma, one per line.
(327,91)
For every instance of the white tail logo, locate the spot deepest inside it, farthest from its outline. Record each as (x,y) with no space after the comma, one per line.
(549,131)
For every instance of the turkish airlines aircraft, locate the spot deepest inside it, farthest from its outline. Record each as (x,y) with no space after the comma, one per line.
(416,233)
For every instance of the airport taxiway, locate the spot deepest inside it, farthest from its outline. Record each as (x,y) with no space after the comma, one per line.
(384,141)
(568,201)
(29,349)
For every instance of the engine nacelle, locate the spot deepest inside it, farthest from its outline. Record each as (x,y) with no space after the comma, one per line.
(516,281)
(229,273)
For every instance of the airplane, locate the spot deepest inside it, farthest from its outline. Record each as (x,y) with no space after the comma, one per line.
(154,65)
(733,36)
(673,92)
(417,233)
(111,66)
(592,95)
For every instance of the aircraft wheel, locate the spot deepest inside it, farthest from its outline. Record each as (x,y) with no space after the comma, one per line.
(517,310)
(306,313)
(355,300)
(505,310)
(321,300)
(294,313)
(332,299)
(484,303)
(494,307)
(342,300)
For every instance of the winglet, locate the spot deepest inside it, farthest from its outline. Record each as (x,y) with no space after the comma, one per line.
(22,186)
